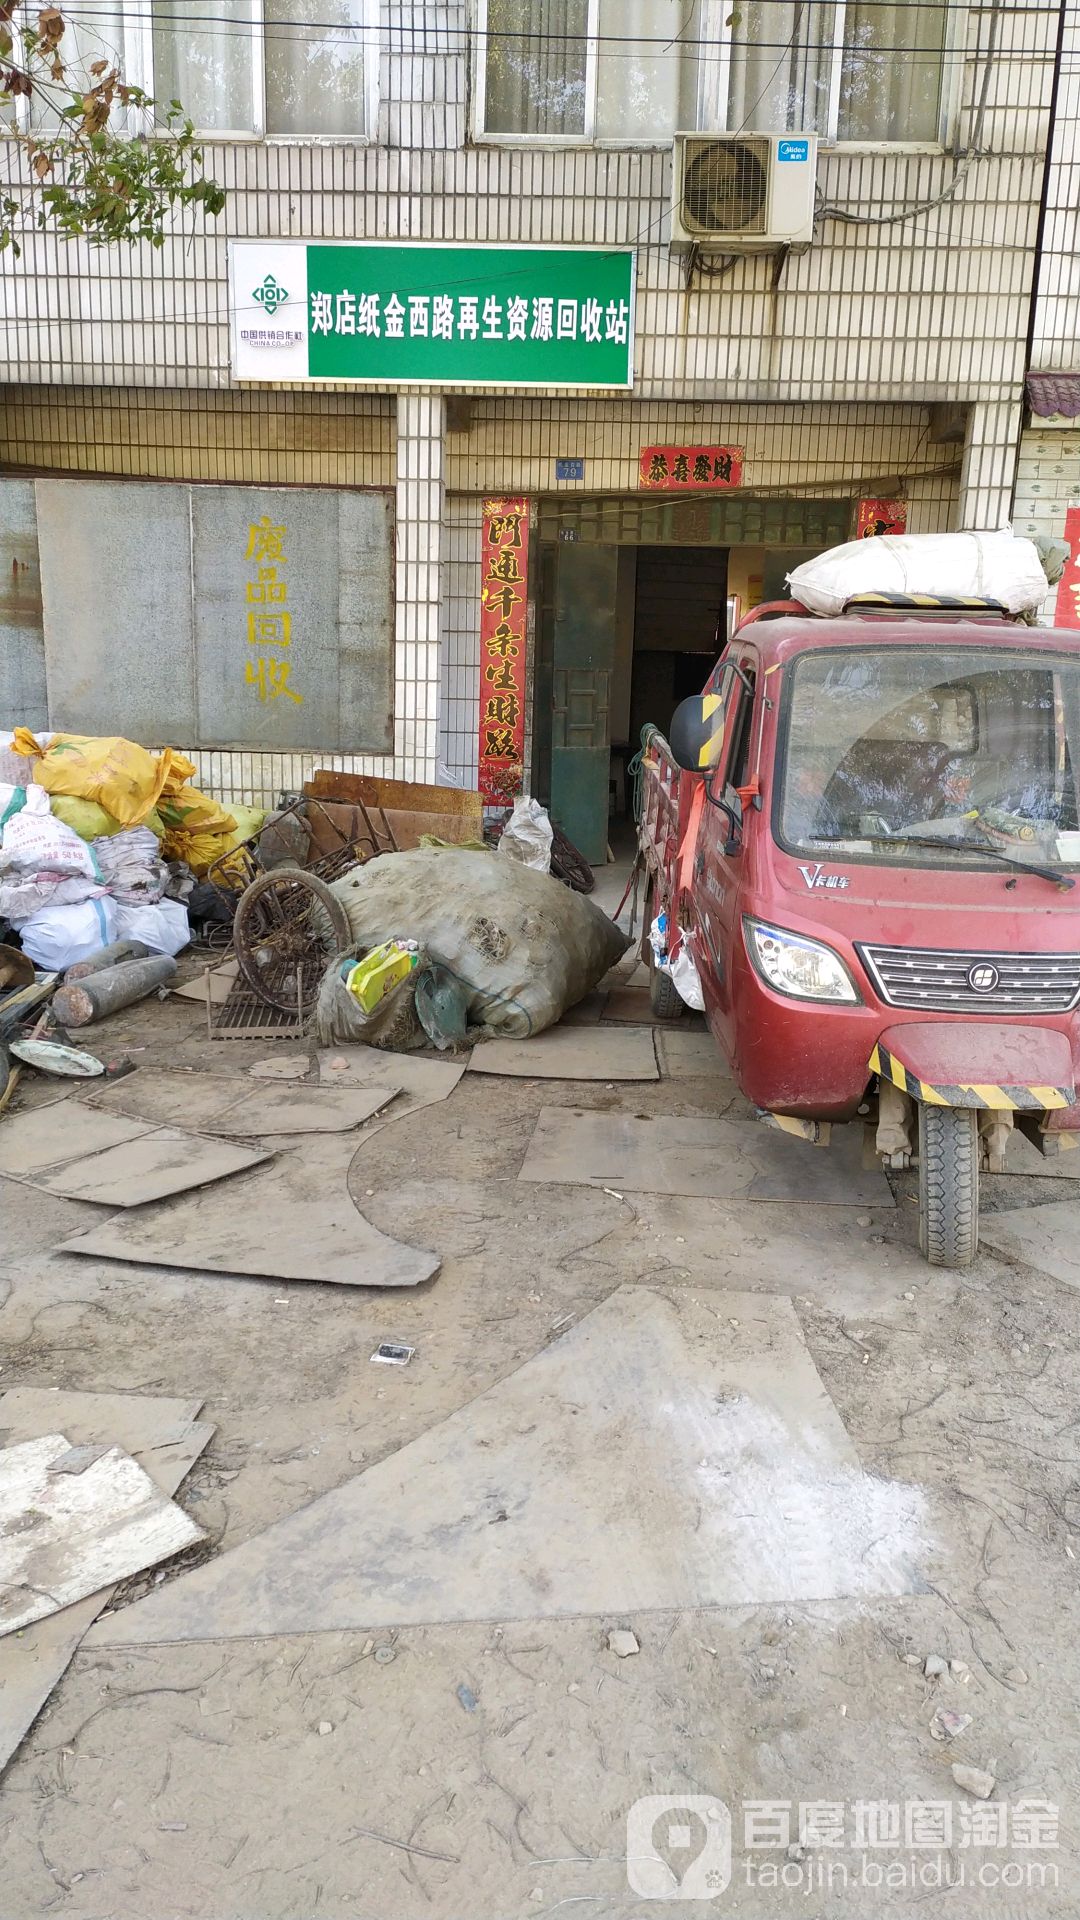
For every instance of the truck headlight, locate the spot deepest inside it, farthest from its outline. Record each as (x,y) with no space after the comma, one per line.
(803,969)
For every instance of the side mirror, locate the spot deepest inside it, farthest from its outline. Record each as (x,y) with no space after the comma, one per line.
(697,732)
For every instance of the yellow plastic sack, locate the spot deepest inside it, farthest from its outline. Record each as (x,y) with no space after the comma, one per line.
(248,822)
(197,828)
(122,777)
(90,821)
(181,769)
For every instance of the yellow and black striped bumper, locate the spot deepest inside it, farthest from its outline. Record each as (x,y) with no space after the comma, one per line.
(1000,1099)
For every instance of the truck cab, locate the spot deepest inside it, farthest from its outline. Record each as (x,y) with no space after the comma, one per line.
(865,834)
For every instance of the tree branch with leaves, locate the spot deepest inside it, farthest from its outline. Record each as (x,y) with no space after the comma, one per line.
(86,173)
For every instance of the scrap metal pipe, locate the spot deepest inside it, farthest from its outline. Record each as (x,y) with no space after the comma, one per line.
(106,957)
(100,994)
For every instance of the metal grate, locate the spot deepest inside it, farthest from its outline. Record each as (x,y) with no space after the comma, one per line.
(943,980)
(245,1017)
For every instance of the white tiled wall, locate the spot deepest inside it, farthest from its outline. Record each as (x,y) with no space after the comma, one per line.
(420,487)
(1047,483)
(921,291)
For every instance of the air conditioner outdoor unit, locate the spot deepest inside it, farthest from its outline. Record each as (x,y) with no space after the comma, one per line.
(743,192)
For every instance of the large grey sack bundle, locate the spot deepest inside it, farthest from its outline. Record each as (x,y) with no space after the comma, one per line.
(525,947)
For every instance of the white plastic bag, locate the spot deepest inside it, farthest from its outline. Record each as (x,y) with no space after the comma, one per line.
(35,842)
(658,940)
(162,927)
(686,980)
(527,835)
(130,865)
(22,895)
(58,936)
(989,566)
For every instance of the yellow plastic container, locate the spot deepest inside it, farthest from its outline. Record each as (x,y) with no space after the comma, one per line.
(379,972)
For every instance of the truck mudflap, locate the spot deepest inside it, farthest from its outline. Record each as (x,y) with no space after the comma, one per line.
(996,1095)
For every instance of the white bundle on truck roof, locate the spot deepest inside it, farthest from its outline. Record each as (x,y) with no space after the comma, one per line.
(957,566)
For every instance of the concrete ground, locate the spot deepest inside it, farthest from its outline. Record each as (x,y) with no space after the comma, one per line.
(281,1777)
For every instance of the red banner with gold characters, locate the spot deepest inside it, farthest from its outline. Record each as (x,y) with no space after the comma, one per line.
(1067,604)
(880,516)
(674,467)
(503,613)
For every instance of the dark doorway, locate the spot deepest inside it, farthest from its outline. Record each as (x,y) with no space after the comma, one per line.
(680,625)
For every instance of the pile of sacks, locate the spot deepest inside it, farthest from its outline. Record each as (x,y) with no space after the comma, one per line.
(67,897)
(87,827)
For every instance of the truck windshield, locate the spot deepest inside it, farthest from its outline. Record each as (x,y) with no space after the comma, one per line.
(890,744)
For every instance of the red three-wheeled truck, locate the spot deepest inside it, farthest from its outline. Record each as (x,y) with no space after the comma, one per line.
(865,834)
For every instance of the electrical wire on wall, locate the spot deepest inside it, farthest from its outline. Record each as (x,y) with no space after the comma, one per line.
(974,148)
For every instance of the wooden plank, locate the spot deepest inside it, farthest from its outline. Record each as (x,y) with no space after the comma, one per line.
(334,821)
(15,1006)
(407,796)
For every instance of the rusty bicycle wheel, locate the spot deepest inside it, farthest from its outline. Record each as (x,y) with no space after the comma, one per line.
(288,928)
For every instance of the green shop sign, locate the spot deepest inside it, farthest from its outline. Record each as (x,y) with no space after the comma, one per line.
(414,313)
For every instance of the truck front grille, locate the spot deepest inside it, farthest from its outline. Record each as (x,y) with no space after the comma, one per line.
(943,979)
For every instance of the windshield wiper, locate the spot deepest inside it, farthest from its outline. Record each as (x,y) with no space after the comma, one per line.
(989,852)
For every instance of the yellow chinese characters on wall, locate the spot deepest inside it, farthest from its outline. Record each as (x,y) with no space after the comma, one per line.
(269,621)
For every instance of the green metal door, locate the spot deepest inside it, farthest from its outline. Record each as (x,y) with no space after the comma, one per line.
(583,659)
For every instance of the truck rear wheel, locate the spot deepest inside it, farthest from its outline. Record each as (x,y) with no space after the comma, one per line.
(663,993)
(948,1185)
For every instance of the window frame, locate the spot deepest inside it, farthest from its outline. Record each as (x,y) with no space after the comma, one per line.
(709,98)
(137,54)
(951,87)
(714,74)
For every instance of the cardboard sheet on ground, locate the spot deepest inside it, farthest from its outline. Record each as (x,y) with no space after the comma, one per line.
(65,1535)
(1046,1238)
(219,1104)
(52,1135)
(162,1161)
(587,1011)
(710,1159)
(165,1437)
(629,1004)
(421,1080)
(600,1052)
(689,1053)
(212,986)
(299,1224)
(667,1452)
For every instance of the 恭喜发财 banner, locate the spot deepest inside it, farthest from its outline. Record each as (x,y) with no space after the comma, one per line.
(419,313)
